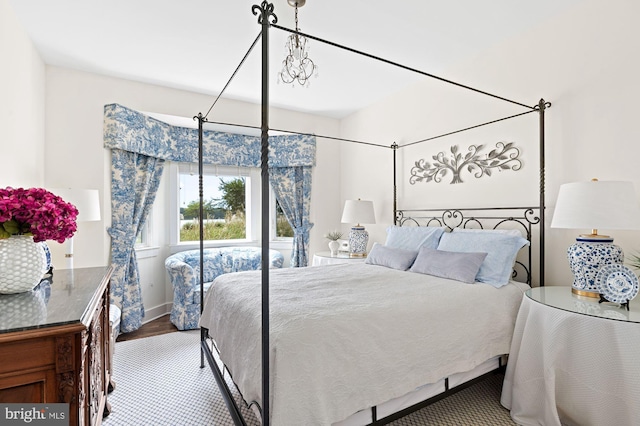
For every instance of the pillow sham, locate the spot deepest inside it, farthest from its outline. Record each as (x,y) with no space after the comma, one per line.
(515,232)
(501,250)
(413,237)
(448,264)
(391,257)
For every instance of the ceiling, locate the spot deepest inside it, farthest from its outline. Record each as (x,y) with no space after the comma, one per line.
(196,45)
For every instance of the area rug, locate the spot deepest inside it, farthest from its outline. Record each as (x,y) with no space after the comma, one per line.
(159,382)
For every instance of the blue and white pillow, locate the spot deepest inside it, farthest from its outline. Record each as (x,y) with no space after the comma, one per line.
(515,232)
(413,237)
(501,249)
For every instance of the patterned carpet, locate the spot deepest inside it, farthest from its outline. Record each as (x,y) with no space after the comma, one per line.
(159,382)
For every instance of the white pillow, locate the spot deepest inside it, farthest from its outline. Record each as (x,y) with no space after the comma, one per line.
(413,237)
(501,250)
(391,257)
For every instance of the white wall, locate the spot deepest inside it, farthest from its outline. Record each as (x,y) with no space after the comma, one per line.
(75,156)
(22,109)
(584,62)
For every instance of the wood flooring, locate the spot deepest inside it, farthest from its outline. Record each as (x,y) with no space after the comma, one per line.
(160,325)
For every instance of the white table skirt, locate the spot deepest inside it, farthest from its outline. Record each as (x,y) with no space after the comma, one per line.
(570,369)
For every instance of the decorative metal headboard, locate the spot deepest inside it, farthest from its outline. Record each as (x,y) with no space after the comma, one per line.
(521,218)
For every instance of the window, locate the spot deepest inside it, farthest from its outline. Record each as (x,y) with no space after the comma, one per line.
(143,239)
(280,227)
(226,199)
(231,206)
(144,246)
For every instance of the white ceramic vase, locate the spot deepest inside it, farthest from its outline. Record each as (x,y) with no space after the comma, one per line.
(23,263)
(334,246)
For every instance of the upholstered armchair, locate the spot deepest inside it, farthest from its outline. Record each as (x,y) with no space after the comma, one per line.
(183,269)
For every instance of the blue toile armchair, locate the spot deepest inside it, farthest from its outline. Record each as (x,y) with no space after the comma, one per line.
(183,269)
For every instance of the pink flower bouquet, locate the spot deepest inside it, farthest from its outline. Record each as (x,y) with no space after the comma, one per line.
(37,212)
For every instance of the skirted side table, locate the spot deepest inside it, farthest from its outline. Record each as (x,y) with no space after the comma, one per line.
(573,361)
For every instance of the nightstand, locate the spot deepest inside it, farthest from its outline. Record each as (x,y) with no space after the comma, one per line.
(573,361)
(325,258)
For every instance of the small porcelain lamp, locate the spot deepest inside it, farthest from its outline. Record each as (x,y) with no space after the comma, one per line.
(87,201)
(595,205)
(358,212)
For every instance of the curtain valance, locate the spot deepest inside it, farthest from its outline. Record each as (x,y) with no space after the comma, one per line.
(136,132)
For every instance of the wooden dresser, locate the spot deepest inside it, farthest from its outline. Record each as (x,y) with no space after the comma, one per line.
(55,344)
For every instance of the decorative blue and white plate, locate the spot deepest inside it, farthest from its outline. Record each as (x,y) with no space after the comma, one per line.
(617,283)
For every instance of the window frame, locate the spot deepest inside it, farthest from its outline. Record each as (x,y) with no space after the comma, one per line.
(253,208)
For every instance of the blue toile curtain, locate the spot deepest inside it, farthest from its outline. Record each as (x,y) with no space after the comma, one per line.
(140,140)
(134,183)
(292,186)
(290,166)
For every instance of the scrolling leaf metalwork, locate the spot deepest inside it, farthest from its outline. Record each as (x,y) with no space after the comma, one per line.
(503,157)
(265,12)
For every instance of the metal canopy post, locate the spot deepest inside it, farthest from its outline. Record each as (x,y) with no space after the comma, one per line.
(201,121)
(542,105)
(394,148)
(266,18)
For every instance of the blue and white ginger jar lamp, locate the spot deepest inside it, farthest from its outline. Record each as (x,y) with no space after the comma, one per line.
(611,205)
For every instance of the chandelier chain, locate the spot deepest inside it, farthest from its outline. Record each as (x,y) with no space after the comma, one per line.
(297,29)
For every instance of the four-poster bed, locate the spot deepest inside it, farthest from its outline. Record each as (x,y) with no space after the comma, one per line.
(522,218)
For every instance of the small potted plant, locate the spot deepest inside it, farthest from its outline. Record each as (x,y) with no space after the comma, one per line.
(333,238)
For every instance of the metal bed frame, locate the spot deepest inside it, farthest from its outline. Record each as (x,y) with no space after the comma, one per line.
(522,219)
(469,217)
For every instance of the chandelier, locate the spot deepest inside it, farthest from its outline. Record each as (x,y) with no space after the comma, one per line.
(297,66)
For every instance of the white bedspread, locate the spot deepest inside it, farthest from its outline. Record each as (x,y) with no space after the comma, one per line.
(350,336)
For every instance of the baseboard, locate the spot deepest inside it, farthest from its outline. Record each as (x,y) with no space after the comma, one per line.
(156,312)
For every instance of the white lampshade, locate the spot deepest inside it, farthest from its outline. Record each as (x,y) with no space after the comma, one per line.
(597,205)
(358,211)
(87,201)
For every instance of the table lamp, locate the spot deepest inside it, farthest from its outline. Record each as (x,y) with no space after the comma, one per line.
(87,201)
(595,205)
(358,211)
